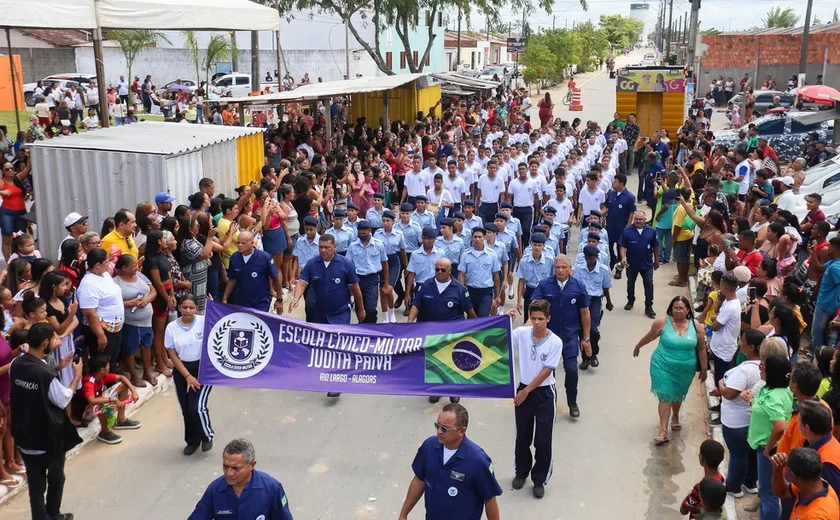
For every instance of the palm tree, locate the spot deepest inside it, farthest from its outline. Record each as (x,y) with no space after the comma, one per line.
(191,46)
(776,17)
(219,48)
(133,43)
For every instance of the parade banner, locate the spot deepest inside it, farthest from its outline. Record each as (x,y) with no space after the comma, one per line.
(253,349)
(650,80)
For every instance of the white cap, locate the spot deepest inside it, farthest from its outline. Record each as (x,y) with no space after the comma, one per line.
(65,122)
(787,180)
(72,218)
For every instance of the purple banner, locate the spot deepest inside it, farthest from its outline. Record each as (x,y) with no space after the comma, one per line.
(253,349)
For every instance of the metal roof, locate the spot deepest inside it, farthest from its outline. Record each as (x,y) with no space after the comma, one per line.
(150,138)
(461,80)
(792,31)
(330,89)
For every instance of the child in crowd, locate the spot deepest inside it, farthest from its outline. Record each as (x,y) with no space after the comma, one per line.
(23,246)
(710,309)
(7,302)
(704,274)
(96,392)
(713,495)
(711,455)
(824,357)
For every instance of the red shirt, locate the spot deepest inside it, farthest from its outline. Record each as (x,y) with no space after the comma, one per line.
(751,259)
(92,388)
(15,200)
(813,216)
(693,502)
(769,152)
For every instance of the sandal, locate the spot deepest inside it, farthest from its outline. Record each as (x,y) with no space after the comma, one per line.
(10,483)
(139,383)
(676,284)
(151,379)
(675,426)
(662,439)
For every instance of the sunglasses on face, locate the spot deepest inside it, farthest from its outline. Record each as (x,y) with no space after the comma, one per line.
(444,429)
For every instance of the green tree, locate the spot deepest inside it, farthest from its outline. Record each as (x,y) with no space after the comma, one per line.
(191,46)
(133,43)
(594,46)
(621,31)
(816,20)
(566,45)
(219,48)
(776,17)
(539,63)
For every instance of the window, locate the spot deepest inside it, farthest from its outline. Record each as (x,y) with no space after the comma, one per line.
(772,127)
(242,80)
(225,82)
(440,19)
(797,127)
(389,60)
(414,56)
(402,60)
(428,18)
(831,180)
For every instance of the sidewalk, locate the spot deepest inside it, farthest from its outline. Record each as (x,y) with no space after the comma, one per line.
(89,433)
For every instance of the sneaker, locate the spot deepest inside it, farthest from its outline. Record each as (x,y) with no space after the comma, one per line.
(128,424)
(109,437)
(629,306)
(739,494)
(715,408)
(333,394)
(751,490)
(518,482)
(207,445)
(434,399)
(454,399)
(66,516)
(593,362)
(510,292)
(539,490)
(574,411)
(584,365)
(189,449)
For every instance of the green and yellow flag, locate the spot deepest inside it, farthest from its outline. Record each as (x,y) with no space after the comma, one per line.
(468,358)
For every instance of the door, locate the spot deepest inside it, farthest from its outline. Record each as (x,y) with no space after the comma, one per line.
(649,112)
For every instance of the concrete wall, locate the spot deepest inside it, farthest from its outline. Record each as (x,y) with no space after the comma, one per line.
(167,65)
(38,63)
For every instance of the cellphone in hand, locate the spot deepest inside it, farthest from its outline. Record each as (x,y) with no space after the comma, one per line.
(752,293)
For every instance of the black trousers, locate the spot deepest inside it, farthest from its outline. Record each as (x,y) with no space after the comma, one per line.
(487,211)
(369,285)
(525,214)
(193,403)
(535,425)
(527,297)
(45,474)
(595,313)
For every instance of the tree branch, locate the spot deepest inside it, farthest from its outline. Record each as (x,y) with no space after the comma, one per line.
(432,37)
(401,26)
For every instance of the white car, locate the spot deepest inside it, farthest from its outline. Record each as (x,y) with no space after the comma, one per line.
(821,176)
(239,85)
(64,80)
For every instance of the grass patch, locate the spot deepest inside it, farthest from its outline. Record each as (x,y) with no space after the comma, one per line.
(7,117)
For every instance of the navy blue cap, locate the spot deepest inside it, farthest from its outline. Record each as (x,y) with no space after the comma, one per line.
(310,221)
(429,232)
(421,197)
(538,238)
(352,205)
(378,195)
(550,209)
(388,214)
(363,224)
(490,226)
(501,216)
(407,206)
(469,203)
(476,229)
(506,204)
(339,213)
(447,222)
(590,251)
(538,229)
(596,225)
(459,215)
(593,236)
(595,213)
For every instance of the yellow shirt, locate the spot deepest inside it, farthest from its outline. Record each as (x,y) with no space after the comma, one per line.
(127,245)
(684,234)
(712,314)
(698,166)
(224,225)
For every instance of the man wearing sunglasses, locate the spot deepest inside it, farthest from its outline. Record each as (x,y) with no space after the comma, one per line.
(454,473)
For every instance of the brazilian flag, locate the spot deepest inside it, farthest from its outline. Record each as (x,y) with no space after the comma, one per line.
(468,358)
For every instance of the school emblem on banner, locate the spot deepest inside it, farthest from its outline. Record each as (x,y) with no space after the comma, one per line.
(240,345)
(479,357)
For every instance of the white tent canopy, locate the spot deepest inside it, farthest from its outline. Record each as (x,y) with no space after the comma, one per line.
(241,15)
(330,89)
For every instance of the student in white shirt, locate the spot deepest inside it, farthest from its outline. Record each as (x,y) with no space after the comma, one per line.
(726,328)
(417,181)
(540,352)
(91,122)
(590,198)
(455,185)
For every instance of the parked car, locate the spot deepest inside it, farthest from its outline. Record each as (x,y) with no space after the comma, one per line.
(240,84)
(63,79)
(821,176)
(502,73)
(763,101)
(785,133)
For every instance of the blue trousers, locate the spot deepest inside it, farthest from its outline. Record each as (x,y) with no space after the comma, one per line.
(595,313)
(663,238)
(647,282)
(482,300)
(535,424)
(525,214)
(613,245)
(770,509)
(818,327)
(743,468)
(571,346)
(369,284)
(487,211)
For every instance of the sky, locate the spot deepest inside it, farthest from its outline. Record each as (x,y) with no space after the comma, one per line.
(719,14)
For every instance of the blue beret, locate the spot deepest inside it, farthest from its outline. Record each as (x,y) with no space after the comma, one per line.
(407,206)
(421,198)
(538,238)
(596,225)
(339,213)
(430,232)
(595,213)
(388,214)
(469,203)
(590,251)
(550,209)
(363,224)
(447,222)
(459,215)
(593,236)
(352,205)
(501,216)
(506,204)
(491,227)
(378,195)
(310,221)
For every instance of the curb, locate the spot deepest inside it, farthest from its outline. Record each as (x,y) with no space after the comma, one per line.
(89,433)
(713,431)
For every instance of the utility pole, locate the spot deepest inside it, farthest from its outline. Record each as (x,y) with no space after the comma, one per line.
(458,51)
(670,28)
(255,61)
(234,59)
(803,53)
(679,29)
(347,48)
(685,30)
(692,35)
(553,20)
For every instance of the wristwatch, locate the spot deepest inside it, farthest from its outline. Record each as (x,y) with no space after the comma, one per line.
(586,339)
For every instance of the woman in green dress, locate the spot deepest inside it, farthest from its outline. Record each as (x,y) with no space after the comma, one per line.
(674,362)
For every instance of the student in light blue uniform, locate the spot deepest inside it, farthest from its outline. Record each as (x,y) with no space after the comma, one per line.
(595,277)
(394,241)
(551,246)
(534,267)
(471,220)
(421,266)
(492,242)
(593,240)
(306,248)
(421,216)
(411,231)
(341,232)
(371,261)
(480,271)
(353,219)
(594,220)
(460,223)
(374,214)
(452,246)
(555,229)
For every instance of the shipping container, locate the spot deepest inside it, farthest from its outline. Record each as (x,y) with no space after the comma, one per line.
(97,173)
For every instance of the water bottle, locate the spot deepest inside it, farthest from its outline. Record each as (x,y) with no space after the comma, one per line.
(139,295)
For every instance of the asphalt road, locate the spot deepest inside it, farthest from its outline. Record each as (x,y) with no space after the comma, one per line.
(349,458)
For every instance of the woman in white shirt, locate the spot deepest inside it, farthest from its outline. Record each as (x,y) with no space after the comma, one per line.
(183,340)
(102,307)
(735,416)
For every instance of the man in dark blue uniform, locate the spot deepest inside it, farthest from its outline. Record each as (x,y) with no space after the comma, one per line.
(250,273)
(242,491)
(570,321)
(333,279)
(441,298)
(639,251)
(454,473)
(620,206)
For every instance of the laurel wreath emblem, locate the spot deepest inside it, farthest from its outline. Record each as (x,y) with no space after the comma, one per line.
(218,350)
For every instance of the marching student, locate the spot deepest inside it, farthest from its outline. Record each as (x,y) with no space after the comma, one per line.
(596,279)
(369,256)
(540,352)
(395,246)
(183,339)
